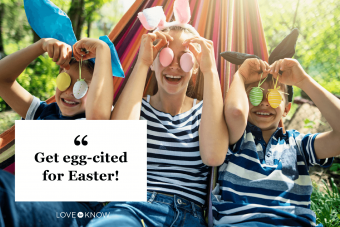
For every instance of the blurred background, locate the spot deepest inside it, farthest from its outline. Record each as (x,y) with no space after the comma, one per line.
(318,51)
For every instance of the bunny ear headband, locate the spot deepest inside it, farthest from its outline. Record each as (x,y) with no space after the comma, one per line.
(48,21)
(154,19)
(286,49)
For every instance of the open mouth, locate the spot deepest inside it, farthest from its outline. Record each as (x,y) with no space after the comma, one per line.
(69,103)
(173,79)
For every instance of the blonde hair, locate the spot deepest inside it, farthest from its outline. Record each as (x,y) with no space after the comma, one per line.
(196,83)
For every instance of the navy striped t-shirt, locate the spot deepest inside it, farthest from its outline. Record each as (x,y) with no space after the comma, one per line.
(263,184)
(174,164)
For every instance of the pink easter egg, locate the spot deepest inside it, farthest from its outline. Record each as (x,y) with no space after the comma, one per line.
(187,62)
(166,56)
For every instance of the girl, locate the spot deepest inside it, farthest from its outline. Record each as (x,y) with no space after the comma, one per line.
(183,137)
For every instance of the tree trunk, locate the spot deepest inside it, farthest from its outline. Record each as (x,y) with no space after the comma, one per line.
(35,37)
(77,16)
(2,12)
(89,22)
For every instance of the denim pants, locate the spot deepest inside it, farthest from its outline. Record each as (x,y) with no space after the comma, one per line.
(159,210)
(52,214)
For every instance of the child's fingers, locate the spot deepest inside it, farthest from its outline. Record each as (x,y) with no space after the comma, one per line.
(199,40)
(163,38)
(272,68)
(56,51)
(263,66)
(193,50)
(277,66)
(65,57)
(50,50)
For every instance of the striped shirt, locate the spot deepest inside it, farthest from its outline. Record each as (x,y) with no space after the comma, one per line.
(39,110)
(174,164)
(267,184)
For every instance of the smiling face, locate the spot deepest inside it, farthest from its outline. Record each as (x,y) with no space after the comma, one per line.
(68,104)
(264,116)
(172,79)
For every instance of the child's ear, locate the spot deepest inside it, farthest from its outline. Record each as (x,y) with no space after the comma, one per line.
(152,67)
(287,109)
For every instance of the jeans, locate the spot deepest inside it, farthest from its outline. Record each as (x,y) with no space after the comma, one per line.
(15,214)
(159,210)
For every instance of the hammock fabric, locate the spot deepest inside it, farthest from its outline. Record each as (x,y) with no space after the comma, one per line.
(233,25)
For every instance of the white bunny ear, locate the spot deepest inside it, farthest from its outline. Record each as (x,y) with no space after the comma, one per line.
(152,17)
(182,11)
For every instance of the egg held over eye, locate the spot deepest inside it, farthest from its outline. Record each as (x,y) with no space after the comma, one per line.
(80,88)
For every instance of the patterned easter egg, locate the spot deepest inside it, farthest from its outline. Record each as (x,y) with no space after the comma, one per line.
(166,56)
(79,89)
(255,96)
(63,81)
(274,98)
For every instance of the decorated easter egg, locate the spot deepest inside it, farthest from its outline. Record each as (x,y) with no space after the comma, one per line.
(255,96)
(187,62)
(166,56)
(79,89)
(63,81)
(274,98)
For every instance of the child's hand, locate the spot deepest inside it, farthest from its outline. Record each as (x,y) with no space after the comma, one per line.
(205,58)
(147,51)
(292,71)
(89,45)
(251,70)
(59,51)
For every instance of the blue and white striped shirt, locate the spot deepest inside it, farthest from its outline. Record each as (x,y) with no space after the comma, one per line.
(174,164)
(267,184)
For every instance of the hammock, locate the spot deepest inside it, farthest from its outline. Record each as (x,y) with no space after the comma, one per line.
(233,25)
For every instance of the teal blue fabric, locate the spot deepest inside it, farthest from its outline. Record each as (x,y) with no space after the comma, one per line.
(48,21)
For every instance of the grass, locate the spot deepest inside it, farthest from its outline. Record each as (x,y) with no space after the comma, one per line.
(326,205)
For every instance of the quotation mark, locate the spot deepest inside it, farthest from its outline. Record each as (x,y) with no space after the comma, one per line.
(83,141)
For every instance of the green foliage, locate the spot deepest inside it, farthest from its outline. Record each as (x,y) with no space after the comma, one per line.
(318,46)
(7,120)
(39,79)
(326,205)
(336,168)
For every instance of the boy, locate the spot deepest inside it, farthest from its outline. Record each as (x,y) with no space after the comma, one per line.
(264,180)
(67,107)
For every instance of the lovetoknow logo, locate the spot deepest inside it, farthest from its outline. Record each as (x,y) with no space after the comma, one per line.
(82,214)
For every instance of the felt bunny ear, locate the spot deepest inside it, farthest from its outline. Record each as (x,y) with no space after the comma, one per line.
(236,57)
(286,49)
(151,18)
(48,21)
(154,18)
(182,11)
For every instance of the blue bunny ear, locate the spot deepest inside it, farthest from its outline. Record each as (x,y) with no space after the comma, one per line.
(48,21)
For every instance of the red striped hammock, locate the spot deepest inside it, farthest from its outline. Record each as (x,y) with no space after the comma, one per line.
(233,25)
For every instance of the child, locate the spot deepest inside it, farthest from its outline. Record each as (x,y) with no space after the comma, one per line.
(67,107)
(184,134)
(264,180)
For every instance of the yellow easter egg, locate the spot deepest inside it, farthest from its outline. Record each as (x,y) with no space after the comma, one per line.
(274,98)
(63,81)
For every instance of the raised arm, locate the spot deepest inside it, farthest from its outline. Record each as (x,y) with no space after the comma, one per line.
(326,144)
(100,94)
(236,107)
(13,65)
(128,105)
(213,129)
